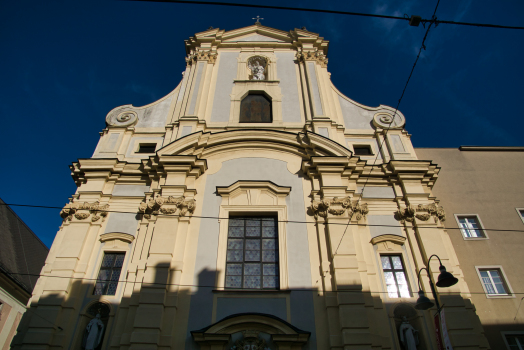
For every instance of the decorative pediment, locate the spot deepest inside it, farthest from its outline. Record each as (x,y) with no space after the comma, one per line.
(254,193)
(254,37)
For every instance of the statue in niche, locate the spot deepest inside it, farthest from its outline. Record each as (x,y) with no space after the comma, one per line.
(93,334)
(257,65)
(408,335)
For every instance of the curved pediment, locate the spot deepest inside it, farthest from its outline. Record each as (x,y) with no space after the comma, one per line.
(305,145)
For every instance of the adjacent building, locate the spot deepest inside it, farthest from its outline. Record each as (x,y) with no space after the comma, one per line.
(22,256)
(255,206)
(484,204)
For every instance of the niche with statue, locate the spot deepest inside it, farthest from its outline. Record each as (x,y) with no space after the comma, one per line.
(410,327)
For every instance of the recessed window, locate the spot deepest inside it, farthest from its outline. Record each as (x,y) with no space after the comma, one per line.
(515,341)
(255,108)
(395,275)
(494,282)
(107,280)
(521,213)
(252,253)
(362,150)
(146,148)
(470,226)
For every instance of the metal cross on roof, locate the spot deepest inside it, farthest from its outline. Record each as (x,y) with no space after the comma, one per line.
(258,19)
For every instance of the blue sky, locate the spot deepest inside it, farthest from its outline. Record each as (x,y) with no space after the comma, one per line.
(65,64)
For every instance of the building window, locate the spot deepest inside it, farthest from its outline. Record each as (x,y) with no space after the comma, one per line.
(521,213)
(107,280)
(493,282)
(255,108)
(395,275)
(514,341)
(362,150)
(146,148)
(470,226)
(252,253)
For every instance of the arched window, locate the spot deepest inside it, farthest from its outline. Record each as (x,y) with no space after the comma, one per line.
(255,108)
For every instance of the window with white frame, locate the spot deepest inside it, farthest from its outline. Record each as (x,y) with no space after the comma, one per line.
(470,226)
(493,282)
(395,276)
(515,341)
(252,253)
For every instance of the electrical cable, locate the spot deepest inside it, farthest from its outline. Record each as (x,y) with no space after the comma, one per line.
(284,221)
(227,289)
(361,14)
(422,46)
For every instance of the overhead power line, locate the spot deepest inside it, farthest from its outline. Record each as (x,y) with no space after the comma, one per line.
(227,218)
(347,13)
(227,289)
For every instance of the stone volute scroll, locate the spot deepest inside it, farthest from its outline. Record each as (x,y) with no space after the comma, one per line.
(82,211)
(258,68)
(338,207)
(166,206)
(421,212)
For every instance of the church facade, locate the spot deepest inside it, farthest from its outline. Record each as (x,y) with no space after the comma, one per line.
(244,210)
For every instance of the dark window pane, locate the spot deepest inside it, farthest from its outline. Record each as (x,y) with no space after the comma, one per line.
(146,148)
(362,150)
(246,249)
(255,109)
(109,274)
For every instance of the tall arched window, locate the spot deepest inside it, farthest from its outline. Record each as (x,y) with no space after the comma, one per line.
(255,108)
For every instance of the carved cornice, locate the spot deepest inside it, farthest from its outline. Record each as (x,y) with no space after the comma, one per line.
(421,212)
(339,207)
(167,205)
(317,56)
(82,211)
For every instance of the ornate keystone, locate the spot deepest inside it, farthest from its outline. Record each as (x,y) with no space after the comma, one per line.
(421,212)
(154,206)
(338,207)
(82,211)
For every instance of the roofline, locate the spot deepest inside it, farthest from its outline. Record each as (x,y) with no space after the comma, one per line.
(480,148)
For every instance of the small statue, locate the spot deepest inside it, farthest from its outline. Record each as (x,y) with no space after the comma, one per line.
(93,334)
(257,70)
(408,335)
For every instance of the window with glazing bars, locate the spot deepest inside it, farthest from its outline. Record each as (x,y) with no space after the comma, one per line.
(493,282)
(109,274)
(515,342)
(252,253)
(470,227)
(395,275)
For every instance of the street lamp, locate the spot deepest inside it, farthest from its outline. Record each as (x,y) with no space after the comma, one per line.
(445,279)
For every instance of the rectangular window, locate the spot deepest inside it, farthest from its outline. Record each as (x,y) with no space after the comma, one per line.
(109,274)
(470,227)
(515,342)
(363,150)
(252,253)
(395,275)
(146,148)
(493,282)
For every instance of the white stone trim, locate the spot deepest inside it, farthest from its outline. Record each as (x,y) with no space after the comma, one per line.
(457,216)
(505,279)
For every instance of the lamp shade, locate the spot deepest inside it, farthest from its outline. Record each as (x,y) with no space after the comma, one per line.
(445,279)
(423,302)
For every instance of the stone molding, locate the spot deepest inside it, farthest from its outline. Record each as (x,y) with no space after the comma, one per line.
(421,212)
(339,207)
(388,238)
(117,235)
(82,211)
(317,56)
(201,55)
(167,205)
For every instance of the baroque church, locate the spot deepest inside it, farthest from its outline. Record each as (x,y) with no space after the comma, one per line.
(253,207)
